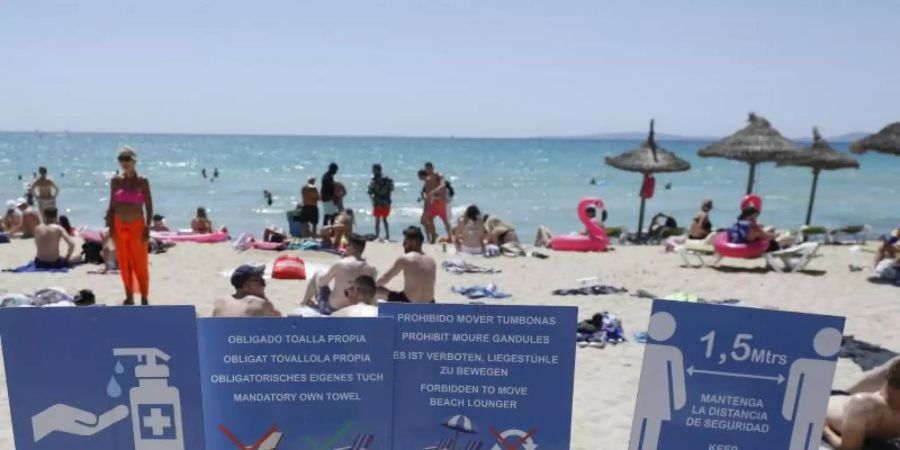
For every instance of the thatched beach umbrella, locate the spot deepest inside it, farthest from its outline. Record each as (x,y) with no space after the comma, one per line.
(647,159)
(820,156)
(885,141)
(756,143)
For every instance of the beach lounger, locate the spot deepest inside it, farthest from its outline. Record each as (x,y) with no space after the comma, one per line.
(698,249)
(792,259)
(830,235)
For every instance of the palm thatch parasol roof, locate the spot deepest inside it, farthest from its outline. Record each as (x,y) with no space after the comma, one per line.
(885,141)
(756,143)
(820,156)
(648,158)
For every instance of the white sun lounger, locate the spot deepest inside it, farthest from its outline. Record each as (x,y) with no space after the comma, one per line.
(699,250)
(792,259)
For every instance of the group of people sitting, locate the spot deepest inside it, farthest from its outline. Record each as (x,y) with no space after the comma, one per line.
(480,234)
(350,287)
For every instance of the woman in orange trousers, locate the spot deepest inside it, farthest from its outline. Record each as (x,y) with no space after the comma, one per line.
(130,211)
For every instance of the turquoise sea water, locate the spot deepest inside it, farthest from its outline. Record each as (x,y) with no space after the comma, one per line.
(528,182)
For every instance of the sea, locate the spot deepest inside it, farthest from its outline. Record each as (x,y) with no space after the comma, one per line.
(526,182)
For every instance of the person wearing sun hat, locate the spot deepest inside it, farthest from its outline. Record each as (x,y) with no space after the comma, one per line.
(129,219)
(249,298)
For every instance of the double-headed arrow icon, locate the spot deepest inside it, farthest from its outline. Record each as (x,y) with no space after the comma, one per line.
(691,371)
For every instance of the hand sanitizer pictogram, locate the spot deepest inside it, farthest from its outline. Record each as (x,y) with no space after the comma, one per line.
(155,406)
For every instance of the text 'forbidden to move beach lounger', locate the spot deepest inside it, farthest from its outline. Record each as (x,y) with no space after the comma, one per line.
(483,377)
(731,378)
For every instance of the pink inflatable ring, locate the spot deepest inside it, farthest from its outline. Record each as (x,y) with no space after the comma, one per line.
(747,251)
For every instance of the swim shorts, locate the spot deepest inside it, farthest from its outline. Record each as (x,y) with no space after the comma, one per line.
(399,297)
(438,208)
(381,212)
(308,214)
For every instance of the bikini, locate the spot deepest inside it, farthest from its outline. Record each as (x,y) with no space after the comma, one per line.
(128,197)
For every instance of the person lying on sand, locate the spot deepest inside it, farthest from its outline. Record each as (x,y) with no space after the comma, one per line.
(869,411)
(159,224)
(503,235)
(47,237)
(330,297)
(360,299)
(249,299)
(419,272)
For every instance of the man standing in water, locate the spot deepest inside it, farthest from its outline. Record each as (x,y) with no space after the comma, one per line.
(419,272)
(380,189)
(329,205)
(45,190)
(436,199)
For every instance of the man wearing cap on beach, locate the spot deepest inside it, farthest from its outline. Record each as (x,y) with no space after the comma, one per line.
(419,272)
(159,224)
(249,299)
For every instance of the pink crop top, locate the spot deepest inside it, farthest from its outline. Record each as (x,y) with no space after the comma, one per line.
(128,197)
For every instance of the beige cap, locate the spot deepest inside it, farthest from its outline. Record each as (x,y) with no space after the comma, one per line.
(127,152)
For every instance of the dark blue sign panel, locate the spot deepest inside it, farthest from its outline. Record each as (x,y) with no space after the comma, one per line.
(304,383)
(730,378)
(93,378)
(482,377)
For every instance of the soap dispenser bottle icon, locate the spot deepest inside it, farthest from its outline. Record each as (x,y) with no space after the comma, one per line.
(155,406)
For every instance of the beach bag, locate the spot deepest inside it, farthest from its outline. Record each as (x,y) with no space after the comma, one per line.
(289,268)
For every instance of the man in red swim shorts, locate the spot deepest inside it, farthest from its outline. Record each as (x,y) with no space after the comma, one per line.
(380,189)
(435,193)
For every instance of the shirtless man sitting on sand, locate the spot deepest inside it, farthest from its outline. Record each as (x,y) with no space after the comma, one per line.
(419,272)
(868,413)
(249,299)
(47,237)
(342,273)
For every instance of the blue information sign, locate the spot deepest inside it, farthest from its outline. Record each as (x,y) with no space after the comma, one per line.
(297,383)
(103,378)
(483,377)
(731,378)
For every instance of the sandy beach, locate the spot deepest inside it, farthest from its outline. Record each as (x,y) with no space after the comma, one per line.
(606,379)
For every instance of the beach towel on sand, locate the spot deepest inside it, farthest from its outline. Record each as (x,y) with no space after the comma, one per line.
(867,356)
(31,268)
(476,292)
(460,267)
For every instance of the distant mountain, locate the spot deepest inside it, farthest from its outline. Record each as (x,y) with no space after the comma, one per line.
(630,136)
(661,137)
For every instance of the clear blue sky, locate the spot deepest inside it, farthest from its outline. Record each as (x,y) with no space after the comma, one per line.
(447,67)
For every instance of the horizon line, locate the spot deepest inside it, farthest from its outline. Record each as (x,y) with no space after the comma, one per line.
(599,136)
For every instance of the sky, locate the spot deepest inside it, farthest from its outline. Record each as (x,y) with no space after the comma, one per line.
(501,68)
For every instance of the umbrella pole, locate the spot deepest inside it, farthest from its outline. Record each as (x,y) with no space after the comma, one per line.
(641,218)
(750,178)
(812,196)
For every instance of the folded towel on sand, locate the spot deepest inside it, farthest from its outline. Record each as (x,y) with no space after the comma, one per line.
(867,356)
(597,289)
(459,266)
(31,268)
(475,292)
